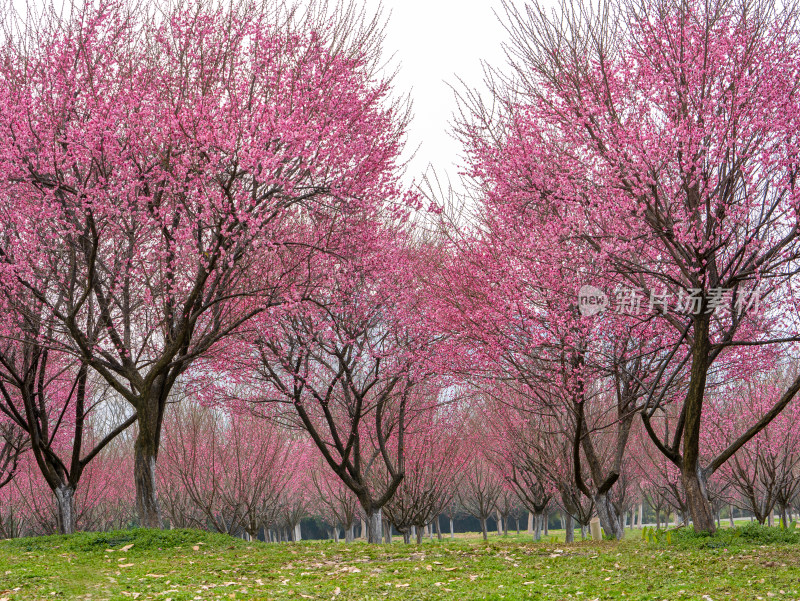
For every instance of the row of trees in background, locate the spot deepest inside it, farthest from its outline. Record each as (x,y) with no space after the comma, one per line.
(240,475)
(220,305)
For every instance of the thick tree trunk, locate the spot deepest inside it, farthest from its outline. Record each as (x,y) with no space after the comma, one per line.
(699,507)
(419,535)
(530,522)
(145,452)
(537,526)
(374,524)
(349,534)
(407,537)
(609,520)
(65,503)
(569,528)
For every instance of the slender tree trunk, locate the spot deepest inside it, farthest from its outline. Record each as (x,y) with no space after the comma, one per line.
(336,534)
(530,522)
(641,515)
(363,529)
(499,523)
(693,481)
(349,533)
(452,530)
(65,503)
(387,532)
(730,516)
(438,528)
(569,528)
(658,519)
(419,535)
(546,523)
(374,523)
(483,529)
(407,537)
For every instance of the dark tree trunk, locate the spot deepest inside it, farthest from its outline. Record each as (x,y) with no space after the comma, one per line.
(693,481)
(387,532)
(483,529)
(699,507)
(144,473)
(407,537)
(145,454)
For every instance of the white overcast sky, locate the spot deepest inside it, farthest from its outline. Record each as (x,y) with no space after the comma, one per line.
(433,43)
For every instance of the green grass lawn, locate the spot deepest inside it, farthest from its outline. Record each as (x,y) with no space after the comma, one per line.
(757,563)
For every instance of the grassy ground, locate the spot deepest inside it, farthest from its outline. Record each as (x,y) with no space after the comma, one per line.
(756,563)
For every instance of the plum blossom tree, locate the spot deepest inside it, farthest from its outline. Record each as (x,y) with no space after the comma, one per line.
(352,361)
(226,471)
(168,169)
(50,403)
(335,504)
(435,458)
(665,134)
(764,471)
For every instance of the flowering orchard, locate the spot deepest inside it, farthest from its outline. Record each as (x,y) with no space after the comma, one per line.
(221,308)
